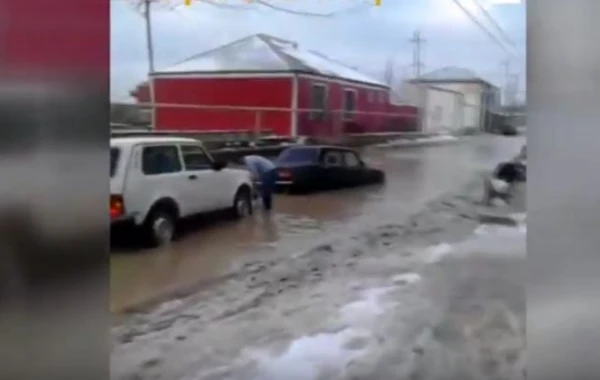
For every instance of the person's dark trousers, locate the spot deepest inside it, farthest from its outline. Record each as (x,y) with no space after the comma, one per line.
(268,183)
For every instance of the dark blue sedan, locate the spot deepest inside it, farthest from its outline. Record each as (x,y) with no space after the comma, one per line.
(316,168)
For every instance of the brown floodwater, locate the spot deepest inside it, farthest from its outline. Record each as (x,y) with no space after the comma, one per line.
(214,248)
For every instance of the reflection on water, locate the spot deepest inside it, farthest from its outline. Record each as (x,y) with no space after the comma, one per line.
(414,176)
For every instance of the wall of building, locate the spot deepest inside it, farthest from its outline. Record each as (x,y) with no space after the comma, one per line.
(441,110)
(444,111)
(265,92)
(368,99)
(472,102)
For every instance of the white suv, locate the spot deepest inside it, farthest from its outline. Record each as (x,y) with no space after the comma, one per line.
(155,180)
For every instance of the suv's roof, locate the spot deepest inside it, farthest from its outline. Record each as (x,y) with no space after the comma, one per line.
(132,140)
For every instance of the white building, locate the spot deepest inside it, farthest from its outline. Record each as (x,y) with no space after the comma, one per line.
(452,99)
(441,110)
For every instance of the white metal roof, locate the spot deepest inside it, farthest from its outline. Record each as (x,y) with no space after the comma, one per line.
(451,73)
(132,140)
(261,52)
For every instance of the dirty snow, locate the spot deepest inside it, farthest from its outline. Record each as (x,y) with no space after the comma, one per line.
(330,355)
(438,139)
(399,301)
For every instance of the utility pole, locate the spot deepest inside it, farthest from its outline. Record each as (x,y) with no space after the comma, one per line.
(514,90)
(388,74)
(506,65)
(417,64)
(150,47)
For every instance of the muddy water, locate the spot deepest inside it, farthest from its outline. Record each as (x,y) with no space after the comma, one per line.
(414,176)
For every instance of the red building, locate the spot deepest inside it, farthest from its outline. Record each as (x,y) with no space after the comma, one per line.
(263,82)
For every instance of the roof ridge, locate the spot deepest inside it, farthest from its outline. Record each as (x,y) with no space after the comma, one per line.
(217,48)
(451,68)
(268,38)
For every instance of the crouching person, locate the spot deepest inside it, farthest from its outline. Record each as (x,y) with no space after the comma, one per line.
(264,172)
(500,185)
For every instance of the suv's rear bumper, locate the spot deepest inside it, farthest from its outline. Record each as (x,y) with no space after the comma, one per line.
(122,221)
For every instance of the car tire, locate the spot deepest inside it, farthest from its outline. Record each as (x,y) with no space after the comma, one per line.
(242,204)
(159,227)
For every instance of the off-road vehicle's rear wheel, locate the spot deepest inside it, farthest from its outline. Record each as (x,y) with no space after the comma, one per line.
(242,203)
(159,227)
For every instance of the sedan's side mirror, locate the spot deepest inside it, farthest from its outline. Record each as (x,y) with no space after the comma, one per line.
(219,165)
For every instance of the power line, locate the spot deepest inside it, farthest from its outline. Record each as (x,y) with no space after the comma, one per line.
(310,14)
(498,28)
(483,28)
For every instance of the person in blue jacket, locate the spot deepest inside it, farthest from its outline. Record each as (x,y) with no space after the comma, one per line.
(264,171)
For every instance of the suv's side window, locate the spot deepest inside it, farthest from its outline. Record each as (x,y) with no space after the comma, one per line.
(332,158)
(160,160)
(351,160)
(195,158)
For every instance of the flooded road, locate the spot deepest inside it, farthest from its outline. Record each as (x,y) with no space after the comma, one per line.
(415,175)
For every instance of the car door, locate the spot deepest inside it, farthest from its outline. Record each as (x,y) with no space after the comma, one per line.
(155,172)
(354,171)
(202,186)
(333,170)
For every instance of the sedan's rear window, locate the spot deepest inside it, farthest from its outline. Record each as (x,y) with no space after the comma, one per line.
(299,156)
(114,160)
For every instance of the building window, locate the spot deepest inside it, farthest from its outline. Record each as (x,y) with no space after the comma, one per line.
(349,104)
(318,102)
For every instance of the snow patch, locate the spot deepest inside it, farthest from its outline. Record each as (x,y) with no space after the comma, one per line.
(365,310)
(497,239)
(443,138)
(312,357)
(328,355)
(405,278)
(438,252)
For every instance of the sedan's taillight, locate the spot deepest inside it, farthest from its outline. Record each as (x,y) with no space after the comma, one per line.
(117,208)
(285,174)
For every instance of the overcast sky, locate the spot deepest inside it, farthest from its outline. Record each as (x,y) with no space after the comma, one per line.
(365,37)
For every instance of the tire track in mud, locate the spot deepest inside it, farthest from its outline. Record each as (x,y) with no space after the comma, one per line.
(449,218)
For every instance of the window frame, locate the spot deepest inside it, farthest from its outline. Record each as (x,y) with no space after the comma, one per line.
(114,161)
(204,151)
(358,159)
(348,114)
(155,146)
(329,151)
(317,113)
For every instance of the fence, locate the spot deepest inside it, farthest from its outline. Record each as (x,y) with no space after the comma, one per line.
(226,119)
